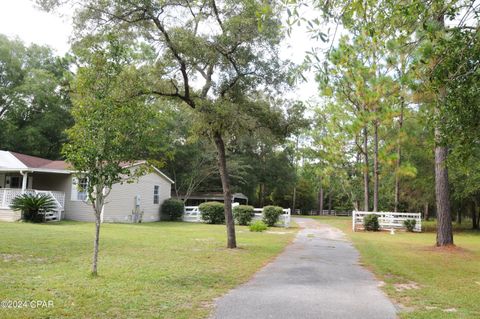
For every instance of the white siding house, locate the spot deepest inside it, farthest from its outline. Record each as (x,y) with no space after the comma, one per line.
(21,173)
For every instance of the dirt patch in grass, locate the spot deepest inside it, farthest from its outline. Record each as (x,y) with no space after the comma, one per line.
(450,310)
(20,258)
(450,249)
(406,286)
(278,232)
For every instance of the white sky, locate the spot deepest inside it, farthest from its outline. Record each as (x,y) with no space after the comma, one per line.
(21,18)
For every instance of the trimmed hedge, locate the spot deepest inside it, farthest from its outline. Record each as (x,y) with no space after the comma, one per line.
(271,215)
(370,222)
(258,226)
(243,214)
(173,209)
(212,212)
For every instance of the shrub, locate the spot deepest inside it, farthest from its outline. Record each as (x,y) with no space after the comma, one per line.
(370,222)
(173,209)
(271,214)
(33,206)
(212,212)
(243,214)
(258,226)
(410,224)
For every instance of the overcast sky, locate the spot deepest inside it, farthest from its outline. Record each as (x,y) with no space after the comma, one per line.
(20,18)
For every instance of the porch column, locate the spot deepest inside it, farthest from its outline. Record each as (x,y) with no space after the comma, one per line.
(24,181)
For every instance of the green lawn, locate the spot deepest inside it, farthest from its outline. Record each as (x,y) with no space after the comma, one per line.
(155,270)
(437,283)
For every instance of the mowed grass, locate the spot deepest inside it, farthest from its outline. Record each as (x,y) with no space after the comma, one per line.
(154,270)
(429,282)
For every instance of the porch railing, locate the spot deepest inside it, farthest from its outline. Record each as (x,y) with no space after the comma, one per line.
(8,194)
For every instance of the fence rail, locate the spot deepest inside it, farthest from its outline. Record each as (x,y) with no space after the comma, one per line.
(194,215)
(387,220)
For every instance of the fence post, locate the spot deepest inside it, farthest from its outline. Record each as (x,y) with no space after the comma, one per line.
(354,217)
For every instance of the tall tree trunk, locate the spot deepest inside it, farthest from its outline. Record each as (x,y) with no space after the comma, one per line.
(329,202)
(426,213)
(375,166)
(261,194)
(320,198)
(442,192)
(227,195)
(294,198)
(473,209)
(399,157)
(366,169)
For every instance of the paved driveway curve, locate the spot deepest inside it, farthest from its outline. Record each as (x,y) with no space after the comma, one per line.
(317,276)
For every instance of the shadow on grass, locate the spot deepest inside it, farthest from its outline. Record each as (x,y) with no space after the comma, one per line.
(430,226)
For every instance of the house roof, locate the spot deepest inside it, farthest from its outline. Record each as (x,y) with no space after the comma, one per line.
(12,161)
(38,162)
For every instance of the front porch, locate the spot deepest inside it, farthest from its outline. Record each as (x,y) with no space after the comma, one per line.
(8,194)
(15,183)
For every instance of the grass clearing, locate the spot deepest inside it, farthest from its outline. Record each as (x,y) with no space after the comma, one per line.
(430,282)
(154,270)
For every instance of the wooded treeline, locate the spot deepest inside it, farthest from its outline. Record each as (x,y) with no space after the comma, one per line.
(397,128)
(399,124)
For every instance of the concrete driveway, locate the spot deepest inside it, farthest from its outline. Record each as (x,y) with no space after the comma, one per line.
(317,276)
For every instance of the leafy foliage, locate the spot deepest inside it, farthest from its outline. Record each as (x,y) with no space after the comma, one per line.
(271,215)
(34,100)
(212,212)
(258,226)
(114,125)
(33,206)
(173,209)
(243,214)
(370,222)
(410,224)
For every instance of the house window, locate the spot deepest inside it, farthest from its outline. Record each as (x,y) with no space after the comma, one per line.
(156,197)
(13,181)
(82,189)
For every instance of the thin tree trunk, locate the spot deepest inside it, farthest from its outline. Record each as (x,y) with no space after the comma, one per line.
(320,198)
(399,157)
(96,244)
(459,216)
(442,192)
(375,166)
(261,194)
(426,213)
(294,198)
(366,179)
(473,208)
(295,185)
(227,195)
(329,202)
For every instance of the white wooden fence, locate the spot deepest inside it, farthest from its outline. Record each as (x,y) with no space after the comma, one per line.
(387,220)
(283,220)
(193,214)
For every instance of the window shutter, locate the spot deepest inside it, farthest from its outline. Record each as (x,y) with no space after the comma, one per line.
(74,193)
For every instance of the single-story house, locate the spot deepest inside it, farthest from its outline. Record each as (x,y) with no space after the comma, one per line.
(195,199)
(20,173)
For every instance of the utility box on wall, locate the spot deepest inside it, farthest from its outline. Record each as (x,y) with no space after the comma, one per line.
(137,201)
